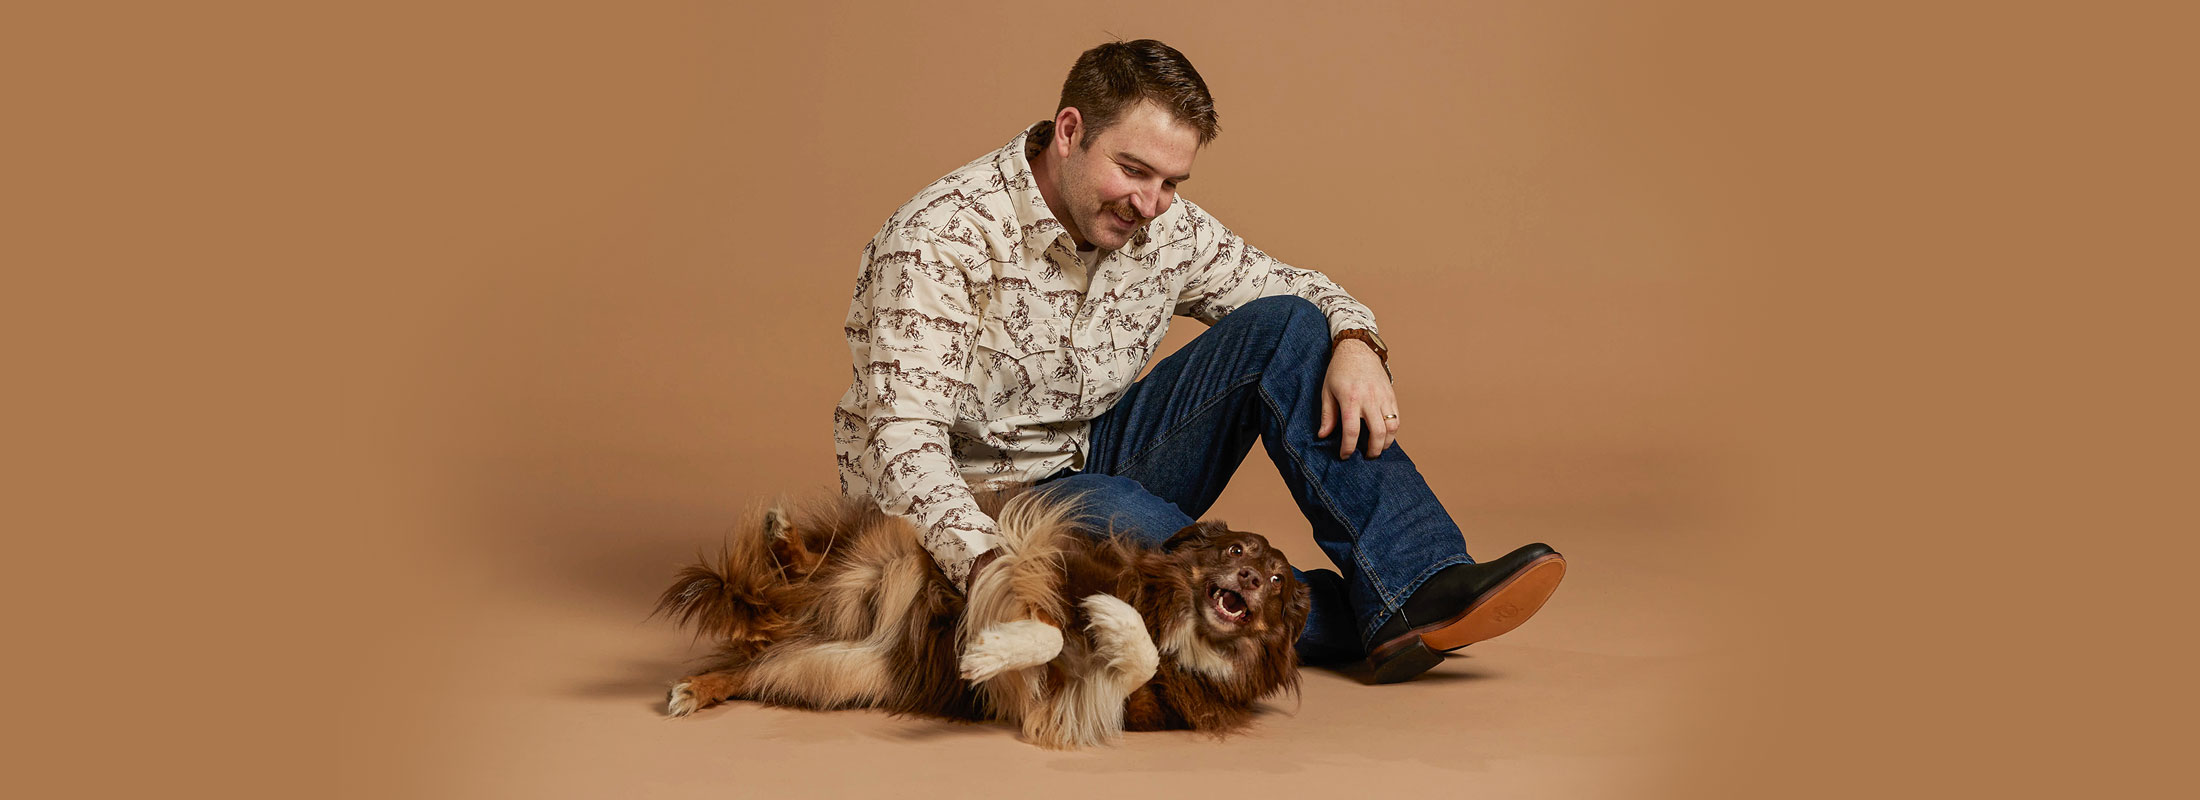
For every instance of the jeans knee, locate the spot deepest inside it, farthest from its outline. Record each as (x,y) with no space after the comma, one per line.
(1298,331)
(1298,323)
(1091,491)
(1114,504)
(1093,483)
(1282,306)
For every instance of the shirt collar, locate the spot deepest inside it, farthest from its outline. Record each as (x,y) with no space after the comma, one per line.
(1041,229)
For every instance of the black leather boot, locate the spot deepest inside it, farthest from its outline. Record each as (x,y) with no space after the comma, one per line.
(1461,605)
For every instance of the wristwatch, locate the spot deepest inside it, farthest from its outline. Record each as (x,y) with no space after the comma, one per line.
(1373,340)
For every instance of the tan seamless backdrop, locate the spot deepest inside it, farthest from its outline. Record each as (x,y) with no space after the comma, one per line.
(373,366)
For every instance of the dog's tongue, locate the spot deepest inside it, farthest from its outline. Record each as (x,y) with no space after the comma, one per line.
(1233,602)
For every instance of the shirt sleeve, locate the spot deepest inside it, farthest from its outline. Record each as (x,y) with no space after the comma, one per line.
(1229,273)
(910,329)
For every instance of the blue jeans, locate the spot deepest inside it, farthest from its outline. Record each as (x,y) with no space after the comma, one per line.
(1161,456)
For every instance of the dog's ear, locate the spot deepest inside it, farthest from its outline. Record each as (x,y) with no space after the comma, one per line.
(1195,532)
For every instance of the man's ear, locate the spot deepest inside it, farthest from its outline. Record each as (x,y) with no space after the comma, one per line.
(1195,532)
(1069,123)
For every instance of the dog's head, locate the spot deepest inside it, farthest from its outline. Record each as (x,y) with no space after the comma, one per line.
(1246,589)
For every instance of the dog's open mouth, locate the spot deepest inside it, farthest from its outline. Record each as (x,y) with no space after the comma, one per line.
(1228,605)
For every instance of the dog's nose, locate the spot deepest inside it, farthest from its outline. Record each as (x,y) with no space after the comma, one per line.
(1248,580)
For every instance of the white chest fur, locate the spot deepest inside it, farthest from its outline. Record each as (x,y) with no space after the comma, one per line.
(1192,651)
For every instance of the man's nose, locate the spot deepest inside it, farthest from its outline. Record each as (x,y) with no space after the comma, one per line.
(1149,203)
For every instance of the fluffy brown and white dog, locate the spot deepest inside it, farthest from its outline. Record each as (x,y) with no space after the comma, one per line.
(1072,637)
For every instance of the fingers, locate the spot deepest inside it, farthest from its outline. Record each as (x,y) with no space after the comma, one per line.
(1357,411)
(1329,412)
(1378,431)
(1349,416)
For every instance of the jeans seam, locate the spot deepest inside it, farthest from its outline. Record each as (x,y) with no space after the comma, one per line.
(1132,462)
(1391,603)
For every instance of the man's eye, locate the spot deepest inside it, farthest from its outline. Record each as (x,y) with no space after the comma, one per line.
(1131,172)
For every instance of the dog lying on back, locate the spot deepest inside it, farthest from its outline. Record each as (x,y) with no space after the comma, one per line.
(1072,638)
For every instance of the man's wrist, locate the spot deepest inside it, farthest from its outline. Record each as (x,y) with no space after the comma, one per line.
(1368,339)
(1364,336)
(978,565)
(1341,344)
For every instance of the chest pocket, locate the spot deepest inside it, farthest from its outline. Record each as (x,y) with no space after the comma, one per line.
(1134,324)
(1020,369)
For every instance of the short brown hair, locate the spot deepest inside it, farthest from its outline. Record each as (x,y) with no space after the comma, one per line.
(1111,78)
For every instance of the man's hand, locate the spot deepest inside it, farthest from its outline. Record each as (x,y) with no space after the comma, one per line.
(1357,391)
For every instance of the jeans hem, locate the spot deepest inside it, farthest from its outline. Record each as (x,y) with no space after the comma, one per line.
(1415,586)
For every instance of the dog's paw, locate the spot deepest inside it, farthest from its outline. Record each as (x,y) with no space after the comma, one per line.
(1010,646)
(1119,635)
(682,701)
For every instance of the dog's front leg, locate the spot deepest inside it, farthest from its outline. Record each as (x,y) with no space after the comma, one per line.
(1119,637)
(1010,616)
(1087,709)
(1010,646)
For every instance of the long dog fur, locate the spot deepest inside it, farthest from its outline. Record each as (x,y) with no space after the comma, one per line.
(837,605)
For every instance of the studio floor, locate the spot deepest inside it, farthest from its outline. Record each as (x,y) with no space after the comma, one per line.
(551,682)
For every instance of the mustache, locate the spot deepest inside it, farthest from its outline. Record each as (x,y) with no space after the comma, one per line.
(1122,211)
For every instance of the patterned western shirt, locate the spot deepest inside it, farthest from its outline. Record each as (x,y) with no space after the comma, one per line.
(984,343)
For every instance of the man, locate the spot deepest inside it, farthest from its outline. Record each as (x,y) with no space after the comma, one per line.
(1003,313)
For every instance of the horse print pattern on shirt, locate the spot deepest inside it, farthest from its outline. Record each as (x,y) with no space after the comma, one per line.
(982,343)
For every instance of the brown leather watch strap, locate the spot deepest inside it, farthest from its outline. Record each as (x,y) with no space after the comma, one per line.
(1373,342)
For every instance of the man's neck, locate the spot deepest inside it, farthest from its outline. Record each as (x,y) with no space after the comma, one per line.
(1044,167)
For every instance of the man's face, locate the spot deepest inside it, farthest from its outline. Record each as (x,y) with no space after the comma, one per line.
(1114,184)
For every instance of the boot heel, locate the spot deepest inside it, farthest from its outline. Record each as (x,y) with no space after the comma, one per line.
(1404,664)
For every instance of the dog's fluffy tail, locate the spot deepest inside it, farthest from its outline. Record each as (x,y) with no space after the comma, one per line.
(700,598)
(737,599)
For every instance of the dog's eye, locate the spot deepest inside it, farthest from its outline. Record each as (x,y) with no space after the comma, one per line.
(1237,549)
(1275,579)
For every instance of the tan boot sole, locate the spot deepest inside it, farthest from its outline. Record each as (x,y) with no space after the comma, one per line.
(1503,608)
